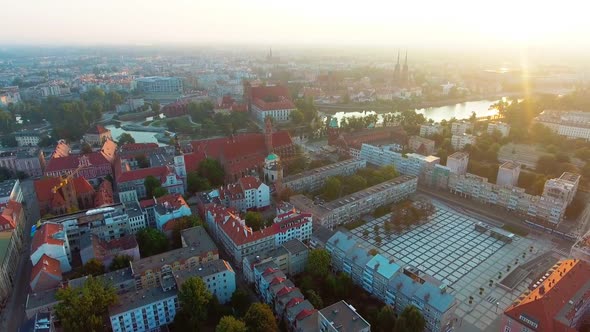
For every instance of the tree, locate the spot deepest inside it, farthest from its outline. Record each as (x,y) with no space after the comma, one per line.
(230,324)
(159,192)
(151,242)
(254,219)
(386,319)
(240,301)
(85,148)
(120,262)
(93,267)
(260,318)
(414,321)
(332,188)
(296,116)
(83,308)
(125,138)
(212,170)
(9,141)
(314,298)
(156,107)
(318,263)
(142,161)
(151,183)
(194,298)
(181,224)
(196,183)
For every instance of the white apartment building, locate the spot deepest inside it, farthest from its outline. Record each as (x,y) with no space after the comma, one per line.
(571,124)
(564,187)
(458,162)
(460,127)
(144,310)
(409,164)
(262,111)
(421,145)
(427,130)
(502,127)
(459,141)
(27,138)
(315,179)
(248,193)
(351,207)
(508,174)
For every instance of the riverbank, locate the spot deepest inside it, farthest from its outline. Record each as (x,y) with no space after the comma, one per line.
(335,108)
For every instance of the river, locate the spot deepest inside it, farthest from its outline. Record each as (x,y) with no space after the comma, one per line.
(459,111)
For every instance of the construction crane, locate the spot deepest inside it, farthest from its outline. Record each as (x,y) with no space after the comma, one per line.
(65,179)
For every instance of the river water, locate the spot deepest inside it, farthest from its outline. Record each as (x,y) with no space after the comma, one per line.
(459,111)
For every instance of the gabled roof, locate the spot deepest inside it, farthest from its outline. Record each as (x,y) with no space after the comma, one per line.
(548,306)
(109,150)
(129,147)
(158,172)
(46,274)
(97,130)
(45,234)
(71,162)
(9,215)
(43,188)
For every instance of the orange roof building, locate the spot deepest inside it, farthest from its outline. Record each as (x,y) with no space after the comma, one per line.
(46,274)
(51,240)
(55,203)
(557,304)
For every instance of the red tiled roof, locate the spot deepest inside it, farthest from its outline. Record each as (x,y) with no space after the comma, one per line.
(44,186)
(269,91)
(305,313)
(48,265)
(61,150)
(45,235)
(192,160)
(249,182)
(97,130)
(281,104)
(545,302)
(147,203)
(176,201)
(240,234)
(104,194)
(103,248)
(268,271)
(9,215)
(72,162)
(170,224)
(158,172)
(285,290)
(294,301)
(109,150)
(138,146)
(277,280)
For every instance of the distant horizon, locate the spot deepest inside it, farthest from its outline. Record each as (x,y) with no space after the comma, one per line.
(502,25)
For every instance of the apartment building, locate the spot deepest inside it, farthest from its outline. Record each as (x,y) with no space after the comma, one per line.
(564,187)
(31,161)
(458,162)
(27,138)
(409,164)
(51,240)
(571,124)
(342,316)
(508,174)
(273,101)
(158,84)
(427,130)
(460,127)
(10,247)
(501,127)
(247,193)
(559,301)
(290,258)
(460,141)
(421,145)
(351,207)
(314,179)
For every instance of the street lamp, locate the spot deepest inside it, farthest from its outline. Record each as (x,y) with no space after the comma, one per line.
(497,304)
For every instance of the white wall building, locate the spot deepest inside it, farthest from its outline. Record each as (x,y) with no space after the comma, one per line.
(145,310)
(458,162)
(51,239)
(460,127)
(502,127)
(427,130)
(508,174)
(461,140)
(27,138)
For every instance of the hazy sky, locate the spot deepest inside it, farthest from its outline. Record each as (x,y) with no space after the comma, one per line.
(368,22)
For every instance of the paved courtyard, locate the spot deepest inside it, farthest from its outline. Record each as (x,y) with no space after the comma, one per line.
(450,249)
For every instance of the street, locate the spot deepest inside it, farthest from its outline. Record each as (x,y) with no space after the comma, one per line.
(14,314)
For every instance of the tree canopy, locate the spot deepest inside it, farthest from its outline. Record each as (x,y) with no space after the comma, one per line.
(151,242)
(153,187)
(181,224)
(254,219)
(260,318)
(83,308)
(125,138)
(120,262)
(212,170)
(196,182)
(230,324)
(318,263)
(194,298)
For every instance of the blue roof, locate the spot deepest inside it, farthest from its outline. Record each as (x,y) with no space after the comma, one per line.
(341,240)
(358,255)
(404,285)
(436,299)
(386,269)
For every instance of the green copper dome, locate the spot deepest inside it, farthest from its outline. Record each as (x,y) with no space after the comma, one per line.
(272,156)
